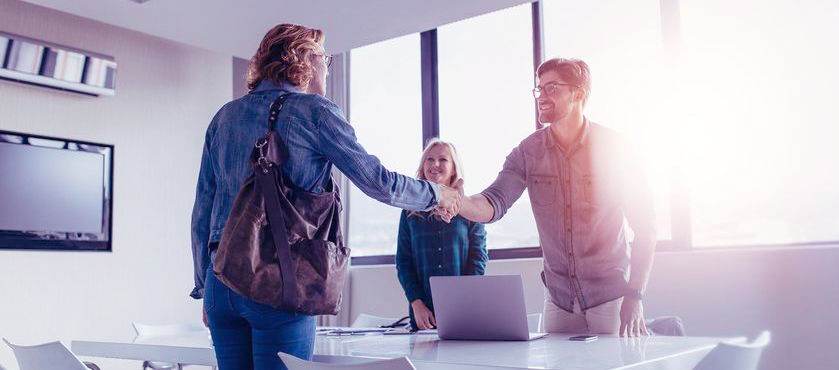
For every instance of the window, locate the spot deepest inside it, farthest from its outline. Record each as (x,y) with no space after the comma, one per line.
(760,123)
(385,102)
(485,77)
(736,121)
(621,41)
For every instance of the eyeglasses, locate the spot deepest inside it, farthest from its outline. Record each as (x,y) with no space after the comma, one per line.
(328,60)
(549,89)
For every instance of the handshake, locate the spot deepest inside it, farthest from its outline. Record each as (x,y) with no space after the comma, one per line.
(451,201)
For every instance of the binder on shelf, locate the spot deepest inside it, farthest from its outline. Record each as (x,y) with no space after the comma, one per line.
(42,63)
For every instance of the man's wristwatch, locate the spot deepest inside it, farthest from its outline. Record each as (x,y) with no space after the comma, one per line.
(634,293)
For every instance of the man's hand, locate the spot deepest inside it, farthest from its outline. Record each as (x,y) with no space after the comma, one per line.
(451,199)
(422,315)
(632,318)
(458,185)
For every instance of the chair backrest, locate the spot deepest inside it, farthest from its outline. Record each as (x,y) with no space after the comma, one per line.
(534,322)
(666,325)
(370,321)
(52,355)
(294,363)
(149,331)
(728,356)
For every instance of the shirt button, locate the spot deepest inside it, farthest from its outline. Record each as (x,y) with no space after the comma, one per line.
(439,266)
(439,249)
(568,229)
(571,254)
(573,276)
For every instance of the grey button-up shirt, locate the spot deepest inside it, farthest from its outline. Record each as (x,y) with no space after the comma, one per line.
(580,197)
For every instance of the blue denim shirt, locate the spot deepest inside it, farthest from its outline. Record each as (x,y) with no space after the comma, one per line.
(316,135)
(430,247)
(580,197)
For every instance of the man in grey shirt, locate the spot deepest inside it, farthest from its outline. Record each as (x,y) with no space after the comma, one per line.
(585,183)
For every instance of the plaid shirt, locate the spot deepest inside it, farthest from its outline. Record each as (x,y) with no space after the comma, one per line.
(430,247)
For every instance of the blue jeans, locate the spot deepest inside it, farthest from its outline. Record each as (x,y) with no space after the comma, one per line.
(248,335)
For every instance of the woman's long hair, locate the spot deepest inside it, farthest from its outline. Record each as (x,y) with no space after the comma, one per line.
(457,166)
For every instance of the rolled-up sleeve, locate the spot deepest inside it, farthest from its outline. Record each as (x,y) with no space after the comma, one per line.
(337,141)
(508,186)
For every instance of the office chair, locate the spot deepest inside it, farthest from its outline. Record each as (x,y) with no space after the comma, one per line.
(371,321)
(666,325)
(294,363)
(729,356)
(52,355)
(145,332)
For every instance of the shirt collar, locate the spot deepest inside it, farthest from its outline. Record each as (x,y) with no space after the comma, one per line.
(582,138)
(265,85)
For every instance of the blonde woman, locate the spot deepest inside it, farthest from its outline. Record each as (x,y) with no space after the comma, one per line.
(427,246)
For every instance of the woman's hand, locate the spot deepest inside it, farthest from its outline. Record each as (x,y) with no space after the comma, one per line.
(423,316)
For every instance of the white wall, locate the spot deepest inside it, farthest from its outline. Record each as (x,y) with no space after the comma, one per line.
(791,291)
(166,94)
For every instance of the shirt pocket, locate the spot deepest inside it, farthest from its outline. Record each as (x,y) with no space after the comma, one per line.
(600,190)
(542,189)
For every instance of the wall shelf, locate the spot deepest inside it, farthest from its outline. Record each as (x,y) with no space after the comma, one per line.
(42,63)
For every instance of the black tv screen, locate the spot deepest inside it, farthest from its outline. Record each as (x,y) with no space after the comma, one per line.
(55,193)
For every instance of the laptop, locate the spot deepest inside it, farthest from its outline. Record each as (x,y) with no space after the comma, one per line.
(479,307)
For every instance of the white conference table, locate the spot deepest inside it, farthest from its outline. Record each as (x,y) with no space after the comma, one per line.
(427,351)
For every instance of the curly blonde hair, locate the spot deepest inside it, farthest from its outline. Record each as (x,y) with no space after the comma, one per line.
(284,55)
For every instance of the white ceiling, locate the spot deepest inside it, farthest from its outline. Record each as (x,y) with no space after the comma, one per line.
(235,27)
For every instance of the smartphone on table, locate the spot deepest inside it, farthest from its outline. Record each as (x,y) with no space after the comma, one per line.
(583,338)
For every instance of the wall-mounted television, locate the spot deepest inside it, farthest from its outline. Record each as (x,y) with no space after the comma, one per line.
(55,194)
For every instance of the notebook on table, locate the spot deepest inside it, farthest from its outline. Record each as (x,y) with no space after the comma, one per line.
(480,307)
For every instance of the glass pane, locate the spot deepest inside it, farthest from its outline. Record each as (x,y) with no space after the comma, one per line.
(485,76)
(760,129)
(386,112)
(621,42)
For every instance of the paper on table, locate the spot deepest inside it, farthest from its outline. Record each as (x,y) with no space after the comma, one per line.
(355,331)
(407,331)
